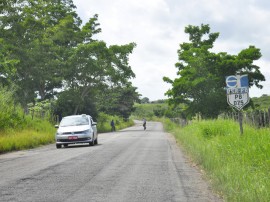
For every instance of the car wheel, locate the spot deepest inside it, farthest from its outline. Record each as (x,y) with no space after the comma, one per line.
(58,146)
(92,143)
(96,141)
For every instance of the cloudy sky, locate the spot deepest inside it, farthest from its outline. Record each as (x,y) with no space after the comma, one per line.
(157,27)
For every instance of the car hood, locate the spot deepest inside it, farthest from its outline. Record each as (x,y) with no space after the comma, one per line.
(73,128)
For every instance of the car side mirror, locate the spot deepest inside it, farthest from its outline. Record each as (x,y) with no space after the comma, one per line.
(56,126)
(94,123)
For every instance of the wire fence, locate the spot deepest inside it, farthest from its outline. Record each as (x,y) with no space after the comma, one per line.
(180,121)
(256,118)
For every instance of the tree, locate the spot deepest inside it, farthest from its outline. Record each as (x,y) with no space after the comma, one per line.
(39,35)
(7,69)
(46,50)
(96,66)
(145,100)
(68,100)
(202,73)
(118,100)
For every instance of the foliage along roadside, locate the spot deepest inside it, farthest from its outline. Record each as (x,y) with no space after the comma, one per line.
(151,110)
(39,132)
(36,132)
(20,131)
(238,166)
(201,73)
(49,54)
(104,123)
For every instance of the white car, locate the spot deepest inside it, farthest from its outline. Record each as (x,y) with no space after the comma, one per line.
(76,129)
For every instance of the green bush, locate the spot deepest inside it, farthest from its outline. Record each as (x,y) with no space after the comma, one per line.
(11,115)
(17,130)
(144,110)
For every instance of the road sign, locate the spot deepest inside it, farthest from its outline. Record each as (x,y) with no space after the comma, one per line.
(238,97)
(237,81)
(238,94)
(237,91)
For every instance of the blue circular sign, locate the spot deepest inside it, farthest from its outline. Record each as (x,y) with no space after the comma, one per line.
(231,81)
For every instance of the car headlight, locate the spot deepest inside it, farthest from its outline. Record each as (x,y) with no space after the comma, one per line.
(87,132)
(58,133)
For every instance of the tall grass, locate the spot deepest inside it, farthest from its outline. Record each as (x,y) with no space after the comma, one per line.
(36,133)
(238,166)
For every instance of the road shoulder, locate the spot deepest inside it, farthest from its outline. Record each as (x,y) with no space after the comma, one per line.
(194,180)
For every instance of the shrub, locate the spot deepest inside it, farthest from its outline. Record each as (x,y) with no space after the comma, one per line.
(11,115)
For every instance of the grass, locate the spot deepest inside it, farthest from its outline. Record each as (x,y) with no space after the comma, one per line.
(238,166)
(38,132)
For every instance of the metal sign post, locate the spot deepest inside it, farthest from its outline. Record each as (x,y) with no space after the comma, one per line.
(238,94)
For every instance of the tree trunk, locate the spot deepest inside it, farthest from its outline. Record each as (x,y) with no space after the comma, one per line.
(42,91)
(76,110)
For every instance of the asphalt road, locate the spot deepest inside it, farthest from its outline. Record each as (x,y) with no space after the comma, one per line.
(130,165)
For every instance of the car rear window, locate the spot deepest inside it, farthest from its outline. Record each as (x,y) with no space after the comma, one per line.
(74,121)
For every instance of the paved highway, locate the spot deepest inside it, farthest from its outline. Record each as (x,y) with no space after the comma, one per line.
(130,165)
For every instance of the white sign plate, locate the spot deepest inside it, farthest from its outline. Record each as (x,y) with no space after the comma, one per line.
(238,97)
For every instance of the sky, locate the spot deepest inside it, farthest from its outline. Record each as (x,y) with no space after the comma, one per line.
(157,27)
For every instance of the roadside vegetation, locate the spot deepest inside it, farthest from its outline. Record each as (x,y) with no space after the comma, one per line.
(20,130)
(157,109)
(237,166)
(36,132)
(53,65)
(104,121)
(261,103)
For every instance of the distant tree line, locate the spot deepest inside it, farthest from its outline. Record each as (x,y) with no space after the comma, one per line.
(46,53)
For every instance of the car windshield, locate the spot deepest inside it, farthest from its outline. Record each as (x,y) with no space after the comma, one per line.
(74,121)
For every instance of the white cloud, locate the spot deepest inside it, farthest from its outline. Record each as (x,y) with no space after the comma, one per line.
(157,26)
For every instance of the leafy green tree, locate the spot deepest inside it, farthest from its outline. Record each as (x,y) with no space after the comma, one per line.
(202,73)
(118,100)
(68,100)
(7,69)
(39,34)
(123,105)
(145,100)
(10,113)
(96,66)
(160,110)
(47,48)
